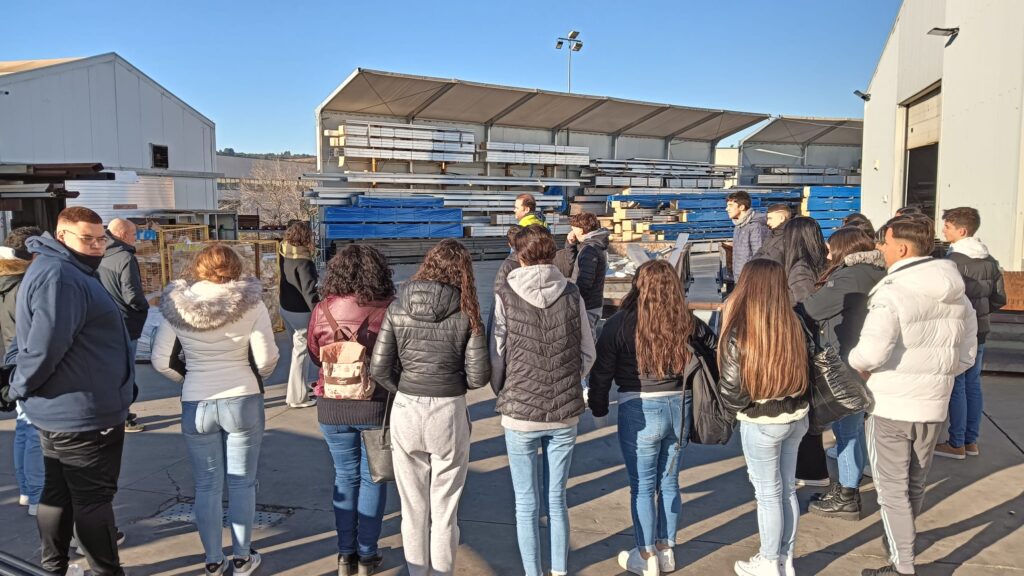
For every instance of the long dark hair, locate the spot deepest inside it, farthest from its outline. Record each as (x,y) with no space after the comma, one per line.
(804,242)
(844,242)
(448,262)
(663,322)
(360,271)
(773,351)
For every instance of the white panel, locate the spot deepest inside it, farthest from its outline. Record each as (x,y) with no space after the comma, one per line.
(686,150)
(836,156)
(129,129)
(520,135)
(924,122)
(103,112)
(600,144)
(46,122)
(920,55)
(148,194)
(632,147)
(879,166)
(76,116)
(173,127)
(195,194)
(209,153)
(16,135)
(192,142)
(152,121)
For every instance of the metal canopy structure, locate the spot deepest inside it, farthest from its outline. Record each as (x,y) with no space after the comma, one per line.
(450,100)
(805,131)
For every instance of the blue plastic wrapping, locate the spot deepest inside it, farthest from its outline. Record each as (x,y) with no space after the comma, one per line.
(407,202)
(353,214)
(374,231)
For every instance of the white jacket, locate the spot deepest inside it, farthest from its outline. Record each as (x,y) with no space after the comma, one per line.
(920,332)
(217,325)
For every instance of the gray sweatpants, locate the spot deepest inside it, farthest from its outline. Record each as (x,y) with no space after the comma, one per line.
(430,438)
(901,454)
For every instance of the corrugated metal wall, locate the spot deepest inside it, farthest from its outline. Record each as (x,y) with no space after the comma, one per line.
(148,193)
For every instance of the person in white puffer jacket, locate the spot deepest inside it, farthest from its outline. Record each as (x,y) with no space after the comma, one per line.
(920,332)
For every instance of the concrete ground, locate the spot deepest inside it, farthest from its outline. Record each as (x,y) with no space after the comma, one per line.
(972,523)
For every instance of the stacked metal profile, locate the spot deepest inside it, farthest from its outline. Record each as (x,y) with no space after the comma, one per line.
(547,154)
(829,205)
(389,141)
(804,175)
(610,177)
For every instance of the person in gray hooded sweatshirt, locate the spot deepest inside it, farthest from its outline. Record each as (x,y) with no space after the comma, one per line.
(540,348)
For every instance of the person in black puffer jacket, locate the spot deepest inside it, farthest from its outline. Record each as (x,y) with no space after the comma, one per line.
(838,309)
(774,246)
(541,347)
(298,298)
(648,349)
(587,254)
(432,349)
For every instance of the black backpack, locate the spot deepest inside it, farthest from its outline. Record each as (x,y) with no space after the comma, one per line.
(711,424)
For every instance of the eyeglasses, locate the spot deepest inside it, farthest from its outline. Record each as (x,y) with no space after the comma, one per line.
(94,240)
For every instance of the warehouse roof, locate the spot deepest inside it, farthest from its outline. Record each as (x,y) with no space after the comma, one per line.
(450,100)
(12,66)
(805,130)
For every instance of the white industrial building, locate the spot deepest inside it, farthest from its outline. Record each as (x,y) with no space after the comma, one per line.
(104,110)
(943,120)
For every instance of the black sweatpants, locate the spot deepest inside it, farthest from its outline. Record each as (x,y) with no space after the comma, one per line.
(810,459)
(81,473)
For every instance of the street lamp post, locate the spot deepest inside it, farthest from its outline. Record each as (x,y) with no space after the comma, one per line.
(573,44)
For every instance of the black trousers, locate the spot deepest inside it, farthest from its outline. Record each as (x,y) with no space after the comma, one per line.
(81,473)
(810,459)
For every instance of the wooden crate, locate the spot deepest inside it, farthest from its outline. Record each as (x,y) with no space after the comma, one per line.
(1014,291)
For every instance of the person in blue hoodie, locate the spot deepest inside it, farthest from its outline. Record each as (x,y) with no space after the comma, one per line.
(73,377)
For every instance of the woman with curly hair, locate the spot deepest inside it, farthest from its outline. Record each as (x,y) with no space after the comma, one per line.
(355,294)
(432,349)
(298,297)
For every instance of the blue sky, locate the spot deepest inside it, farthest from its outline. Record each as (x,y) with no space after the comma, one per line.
(259,68)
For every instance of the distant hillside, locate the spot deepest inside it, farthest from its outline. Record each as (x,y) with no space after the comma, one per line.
(286,155)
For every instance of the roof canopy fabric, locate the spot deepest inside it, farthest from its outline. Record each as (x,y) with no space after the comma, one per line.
(412,97)
(807,130)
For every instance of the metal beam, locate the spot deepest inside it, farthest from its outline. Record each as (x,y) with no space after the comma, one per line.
(824,132)
(693,125)
(510,108)
(565,123)
(640,121)
(426,103)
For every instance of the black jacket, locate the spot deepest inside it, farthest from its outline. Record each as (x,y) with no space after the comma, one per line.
(298,280)
(735,398)
(425,346)
(841,304)
(774,248)
(589,262)
(119,272)
(509,264)
(616,361)
(11,272)
(983,282)
(801,282)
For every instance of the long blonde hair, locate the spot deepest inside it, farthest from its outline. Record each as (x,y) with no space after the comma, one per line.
(769,337)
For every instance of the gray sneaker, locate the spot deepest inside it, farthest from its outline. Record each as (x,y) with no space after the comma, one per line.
(246,566)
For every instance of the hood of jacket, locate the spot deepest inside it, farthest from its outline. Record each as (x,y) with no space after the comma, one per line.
(971,247)
(872,257)
(207,306)
(539,285)
(47,245)
(429,301)
(751,216)
(116,246)
(12,270)
(597,238)
(933,278)
(295,252)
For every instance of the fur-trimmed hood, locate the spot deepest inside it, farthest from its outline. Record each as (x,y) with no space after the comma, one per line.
(14,267)
(207,306)
(873,257)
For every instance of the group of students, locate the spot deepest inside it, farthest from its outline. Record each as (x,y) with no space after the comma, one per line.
(908,331)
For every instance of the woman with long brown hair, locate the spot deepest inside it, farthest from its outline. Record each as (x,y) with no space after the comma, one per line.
(647,348)
(763,361)
(839,308)
(298,296)
(432,349)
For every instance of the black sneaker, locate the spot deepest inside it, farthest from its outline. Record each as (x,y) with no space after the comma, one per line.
(832,490)
(843,504)
(369,564)
(131,426)
(347,564)
(885,571)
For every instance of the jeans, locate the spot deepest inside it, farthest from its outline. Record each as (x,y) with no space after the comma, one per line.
(299,375)
(358,502)
(770,451)
(28,459)
(850,449)
(965,405)
(649,435)
(82,469)
(524,464)
(224,436)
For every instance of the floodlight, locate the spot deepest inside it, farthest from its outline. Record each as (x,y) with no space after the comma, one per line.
(944,31)
(576,47)
(558,45)
(573,34)
(862,95)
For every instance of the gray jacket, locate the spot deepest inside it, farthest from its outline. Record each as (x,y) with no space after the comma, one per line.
(120,275)
(750,233)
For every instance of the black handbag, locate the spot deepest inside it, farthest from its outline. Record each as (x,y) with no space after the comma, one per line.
(377,444)
(710,423)
(836,392)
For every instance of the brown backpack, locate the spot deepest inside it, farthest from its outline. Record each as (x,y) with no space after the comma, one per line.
(345,364)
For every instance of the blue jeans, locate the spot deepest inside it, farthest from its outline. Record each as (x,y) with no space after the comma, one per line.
(358,502)
(850,449)
(770,451)
(649,433)
(525,466)
(224,436)
(965,405)
(28,459)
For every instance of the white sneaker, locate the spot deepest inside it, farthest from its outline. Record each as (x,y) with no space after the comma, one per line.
(786,566)
(23,500)
(307,404)
(33,509)
(815,483)
(246,566)
(667,560)
(633,562)
(757,566)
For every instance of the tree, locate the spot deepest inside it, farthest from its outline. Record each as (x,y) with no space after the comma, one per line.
(273,191)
